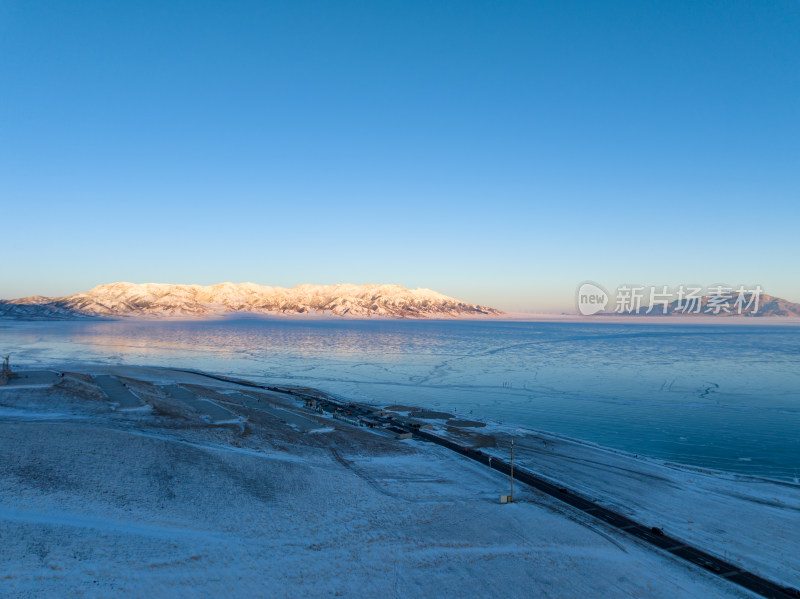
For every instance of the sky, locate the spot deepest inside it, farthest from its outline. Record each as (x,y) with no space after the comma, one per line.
(499,152)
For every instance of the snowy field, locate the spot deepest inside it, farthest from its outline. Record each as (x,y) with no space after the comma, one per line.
(749,521)
(160,501)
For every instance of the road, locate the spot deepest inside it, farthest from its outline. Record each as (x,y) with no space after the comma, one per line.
(654,537)
(299,421)
(117,393)
(214,412)
(34,378)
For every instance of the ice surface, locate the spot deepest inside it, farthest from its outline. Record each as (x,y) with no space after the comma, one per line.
(723,397)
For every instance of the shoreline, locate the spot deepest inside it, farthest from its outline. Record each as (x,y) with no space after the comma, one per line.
(228,415)
(490,426)
(693,320)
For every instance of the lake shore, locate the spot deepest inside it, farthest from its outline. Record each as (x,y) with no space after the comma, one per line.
(675,393)
(172,494)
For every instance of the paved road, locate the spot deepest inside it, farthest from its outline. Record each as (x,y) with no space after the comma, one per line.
(655,537)
(213,411)
(117,393)
(674,546)
(33,378)
(303,423)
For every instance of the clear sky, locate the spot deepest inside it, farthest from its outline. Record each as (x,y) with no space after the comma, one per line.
(499,152)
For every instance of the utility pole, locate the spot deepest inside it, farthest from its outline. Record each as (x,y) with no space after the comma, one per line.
(5,373)
(511,497)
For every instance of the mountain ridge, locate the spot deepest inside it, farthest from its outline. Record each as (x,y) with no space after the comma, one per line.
(764,306)
(124,299)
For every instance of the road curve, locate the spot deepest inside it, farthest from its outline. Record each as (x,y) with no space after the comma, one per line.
(655,537)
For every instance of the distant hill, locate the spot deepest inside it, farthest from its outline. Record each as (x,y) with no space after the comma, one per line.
(768,305)
(155,299)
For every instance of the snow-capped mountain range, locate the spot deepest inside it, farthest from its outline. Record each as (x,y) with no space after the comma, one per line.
(155,299)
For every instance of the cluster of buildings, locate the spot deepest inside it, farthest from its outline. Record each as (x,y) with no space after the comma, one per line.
(362,416)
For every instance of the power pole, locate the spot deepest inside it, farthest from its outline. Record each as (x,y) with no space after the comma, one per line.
(5,373)
(511,497)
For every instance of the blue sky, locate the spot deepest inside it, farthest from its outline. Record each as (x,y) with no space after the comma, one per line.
(501,153)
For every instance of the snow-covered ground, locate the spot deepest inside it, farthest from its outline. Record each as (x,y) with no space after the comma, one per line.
(96,502)
(752,522)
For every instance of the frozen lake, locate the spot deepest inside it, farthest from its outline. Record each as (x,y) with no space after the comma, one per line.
(722,396)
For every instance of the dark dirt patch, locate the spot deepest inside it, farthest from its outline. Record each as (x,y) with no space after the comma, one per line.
(466,423)
(78,388)
(143,389)
(472,438)
(86,378)
(431,415)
